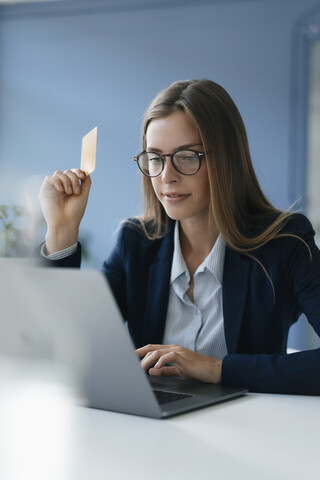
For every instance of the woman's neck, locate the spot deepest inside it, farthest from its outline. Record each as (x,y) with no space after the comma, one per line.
(196,242)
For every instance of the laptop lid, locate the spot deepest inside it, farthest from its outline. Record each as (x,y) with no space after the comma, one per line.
(69,319)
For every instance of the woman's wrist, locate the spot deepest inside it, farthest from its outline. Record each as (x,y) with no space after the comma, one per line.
(217,369)
(59,238)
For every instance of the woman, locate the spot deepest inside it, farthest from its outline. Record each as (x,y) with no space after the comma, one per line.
(211,276)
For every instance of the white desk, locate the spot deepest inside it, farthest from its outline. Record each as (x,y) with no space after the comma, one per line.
(43,436)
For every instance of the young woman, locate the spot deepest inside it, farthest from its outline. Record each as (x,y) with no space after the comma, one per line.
(211,277)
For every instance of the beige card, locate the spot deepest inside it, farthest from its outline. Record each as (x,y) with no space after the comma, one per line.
(88,151)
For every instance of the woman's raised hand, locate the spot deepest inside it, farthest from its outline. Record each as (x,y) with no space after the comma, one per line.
(63,198)
(183,363)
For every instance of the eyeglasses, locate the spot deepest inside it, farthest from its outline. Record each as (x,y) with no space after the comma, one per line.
(187,162)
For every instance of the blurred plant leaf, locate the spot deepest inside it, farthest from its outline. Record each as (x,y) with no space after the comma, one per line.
(12,232)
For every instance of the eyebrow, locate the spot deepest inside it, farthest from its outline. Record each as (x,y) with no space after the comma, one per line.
(182,147)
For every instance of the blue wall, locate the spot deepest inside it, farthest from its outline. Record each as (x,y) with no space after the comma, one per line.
(60,75)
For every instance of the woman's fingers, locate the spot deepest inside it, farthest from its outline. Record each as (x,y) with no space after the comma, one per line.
(160,355)
(150,359)
(142,351)
(70,181)
(152,353)
(182,360)
(177,364)
(67,182)
(175,357)
(166,371)
(74,176)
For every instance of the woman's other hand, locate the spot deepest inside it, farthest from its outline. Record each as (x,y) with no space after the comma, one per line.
(63,198)
(184,363)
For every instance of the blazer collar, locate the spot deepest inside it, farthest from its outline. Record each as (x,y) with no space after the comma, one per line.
(158,290)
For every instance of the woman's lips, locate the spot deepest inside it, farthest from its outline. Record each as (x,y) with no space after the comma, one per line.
(175,197)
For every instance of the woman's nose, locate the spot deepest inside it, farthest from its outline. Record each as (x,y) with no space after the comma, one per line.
(169,173)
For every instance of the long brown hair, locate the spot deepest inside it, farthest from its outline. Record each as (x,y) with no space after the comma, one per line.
(237,203)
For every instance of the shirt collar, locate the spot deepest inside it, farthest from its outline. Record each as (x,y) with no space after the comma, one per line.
(179,266)
(214,262)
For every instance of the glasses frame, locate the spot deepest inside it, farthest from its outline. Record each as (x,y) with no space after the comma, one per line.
(171,155)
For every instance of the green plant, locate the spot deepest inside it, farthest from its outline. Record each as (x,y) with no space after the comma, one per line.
(13,232)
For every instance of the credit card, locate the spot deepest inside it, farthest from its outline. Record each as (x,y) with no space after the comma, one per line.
(88,151)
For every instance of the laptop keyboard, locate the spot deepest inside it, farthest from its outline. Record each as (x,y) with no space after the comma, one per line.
(167,397)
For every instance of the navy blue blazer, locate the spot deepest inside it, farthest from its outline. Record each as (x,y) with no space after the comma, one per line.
(258,311)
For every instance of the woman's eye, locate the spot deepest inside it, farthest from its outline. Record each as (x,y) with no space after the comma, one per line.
(155,159)
(188,158)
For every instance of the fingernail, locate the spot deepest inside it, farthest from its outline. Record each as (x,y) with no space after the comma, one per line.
(77,189)
(69,190)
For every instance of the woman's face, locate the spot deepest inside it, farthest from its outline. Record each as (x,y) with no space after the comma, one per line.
(183,197)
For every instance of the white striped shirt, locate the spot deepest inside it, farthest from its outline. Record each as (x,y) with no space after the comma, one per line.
(197,325)
(58,255)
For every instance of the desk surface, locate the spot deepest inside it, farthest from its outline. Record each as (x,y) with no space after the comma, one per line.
(43,436)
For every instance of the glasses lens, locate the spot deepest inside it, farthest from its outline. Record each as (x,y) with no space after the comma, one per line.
(186,161)
(150,164)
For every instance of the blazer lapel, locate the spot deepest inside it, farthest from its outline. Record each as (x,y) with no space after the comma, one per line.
(234,288)
(158,291)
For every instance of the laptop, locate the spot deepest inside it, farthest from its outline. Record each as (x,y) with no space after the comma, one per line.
(69,318)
